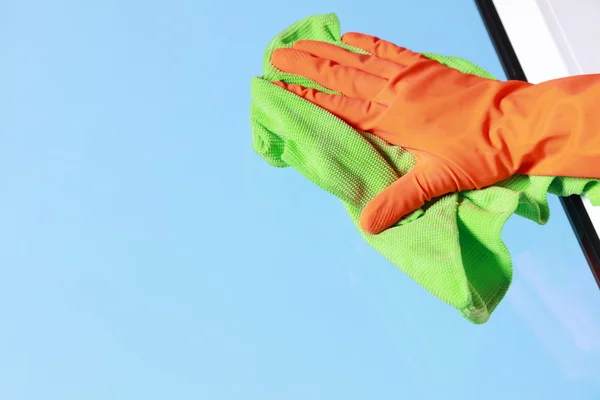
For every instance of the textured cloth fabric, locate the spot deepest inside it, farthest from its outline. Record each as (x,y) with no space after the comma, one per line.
(452,247)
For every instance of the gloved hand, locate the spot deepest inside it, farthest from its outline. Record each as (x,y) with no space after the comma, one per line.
(464,131)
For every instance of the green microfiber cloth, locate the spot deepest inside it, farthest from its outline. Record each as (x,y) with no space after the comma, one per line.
(452,247)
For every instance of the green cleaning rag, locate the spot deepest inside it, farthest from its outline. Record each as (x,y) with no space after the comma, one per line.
(452,247)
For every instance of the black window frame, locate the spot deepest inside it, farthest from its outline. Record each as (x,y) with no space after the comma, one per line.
(573,205)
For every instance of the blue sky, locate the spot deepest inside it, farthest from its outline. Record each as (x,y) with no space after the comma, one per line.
(147,253)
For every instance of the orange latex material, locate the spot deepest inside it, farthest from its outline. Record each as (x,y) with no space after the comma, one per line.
(465,132)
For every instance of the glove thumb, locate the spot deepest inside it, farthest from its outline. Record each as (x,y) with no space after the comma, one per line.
(425,181)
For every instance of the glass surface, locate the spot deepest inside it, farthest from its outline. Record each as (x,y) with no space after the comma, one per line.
(147,253)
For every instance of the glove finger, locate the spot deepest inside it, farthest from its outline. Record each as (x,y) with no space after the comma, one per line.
(405,195)
(360,114)
(382,48)
(347,80)
(364,62)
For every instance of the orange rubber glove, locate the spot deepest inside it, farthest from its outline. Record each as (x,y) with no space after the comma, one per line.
(464,131)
